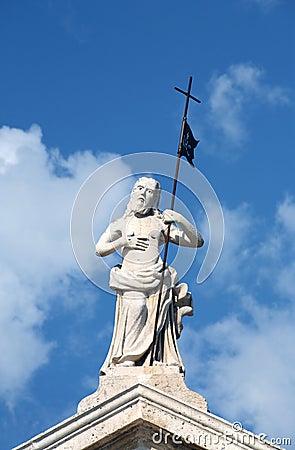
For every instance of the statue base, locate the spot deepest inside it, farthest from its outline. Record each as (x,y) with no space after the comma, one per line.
(167,379)
(145,408)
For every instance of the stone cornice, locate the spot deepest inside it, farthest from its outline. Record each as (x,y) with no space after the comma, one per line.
(156,413)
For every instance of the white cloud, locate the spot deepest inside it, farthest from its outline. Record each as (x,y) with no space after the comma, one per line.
(37,190)
(286,214)
(244,364)
(237,244)
(231,91)
(285,271)
(266,5)
(276,252)
(12,144)
(285,282)
(225,104)
(247,369)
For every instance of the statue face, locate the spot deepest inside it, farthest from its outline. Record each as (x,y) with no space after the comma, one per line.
(144,195)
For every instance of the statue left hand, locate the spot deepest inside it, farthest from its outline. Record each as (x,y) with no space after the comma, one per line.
(170,216)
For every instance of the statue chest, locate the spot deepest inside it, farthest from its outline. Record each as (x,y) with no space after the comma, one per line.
(150,227)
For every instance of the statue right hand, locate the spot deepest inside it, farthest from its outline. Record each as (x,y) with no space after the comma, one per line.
(137,243)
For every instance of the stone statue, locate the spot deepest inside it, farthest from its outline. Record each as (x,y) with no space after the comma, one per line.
(139,234)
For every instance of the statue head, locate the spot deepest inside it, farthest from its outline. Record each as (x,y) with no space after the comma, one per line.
(145,195)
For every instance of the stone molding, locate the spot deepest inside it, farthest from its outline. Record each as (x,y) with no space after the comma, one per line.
(165,379)
(140,417)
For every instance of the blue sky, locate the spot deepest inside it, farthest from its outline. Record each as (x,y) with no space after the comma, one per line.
(83,82)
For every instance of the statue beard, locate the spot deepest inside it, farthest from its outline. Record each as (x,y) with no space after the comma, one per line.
(137,206)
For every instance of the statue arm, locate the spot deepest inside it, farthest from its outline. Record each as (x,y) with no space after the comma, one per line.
(110,241)
(188,235)
(114,238)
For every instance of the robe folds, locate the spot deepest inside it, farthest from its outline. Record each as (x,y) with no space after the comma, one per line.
(135,317)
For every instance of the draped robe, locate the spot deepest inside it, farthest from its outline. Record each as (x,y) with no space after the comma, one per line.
(137,282)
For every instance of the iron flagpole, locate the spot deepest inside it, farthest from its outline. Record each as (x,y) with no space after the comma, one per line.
(184,120)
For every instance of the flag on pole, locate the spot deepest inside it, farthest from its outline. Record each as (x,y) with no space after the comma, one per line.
(188,144)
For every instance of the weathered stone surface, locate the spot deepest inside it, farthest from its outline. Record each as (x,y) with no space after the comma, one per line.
(150,300)
(151,409)
(166,379)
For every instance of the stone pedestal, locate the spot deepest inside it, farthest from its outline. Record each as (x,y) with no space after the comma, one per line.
(144,408)
(165,379)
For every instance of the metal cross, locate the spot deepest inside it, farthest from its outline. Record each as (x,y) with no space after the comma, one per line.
(188,96)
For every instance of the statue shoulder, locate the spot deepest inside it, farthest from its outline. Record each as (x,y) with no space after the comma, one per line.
(119,222)
(118,225)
